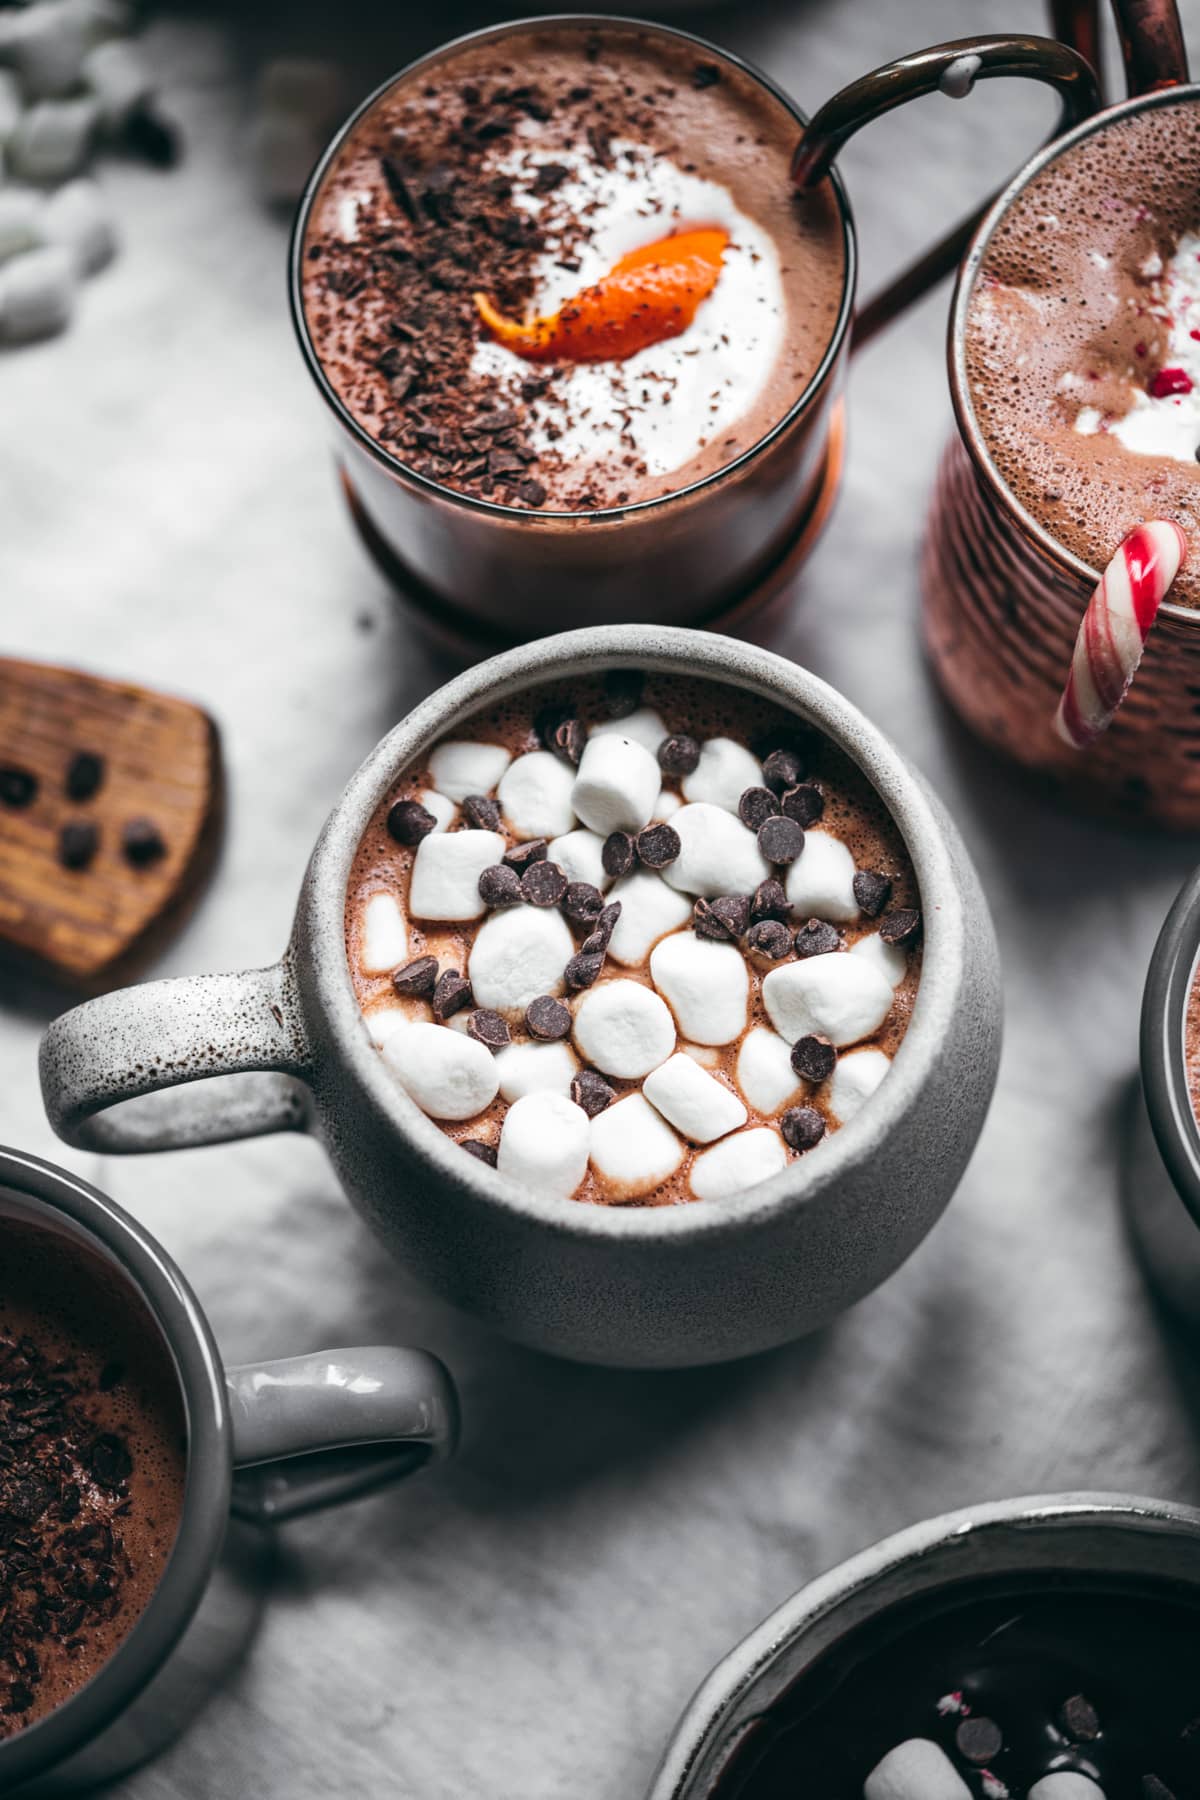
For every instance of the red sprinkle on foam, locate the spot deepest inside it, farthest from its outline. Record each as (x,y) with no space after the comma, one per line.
(1194,332)
(1139,349)
(1170,381)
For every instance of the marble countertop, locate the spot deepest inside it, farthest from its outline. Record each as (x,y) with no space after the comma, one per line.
(528,1621)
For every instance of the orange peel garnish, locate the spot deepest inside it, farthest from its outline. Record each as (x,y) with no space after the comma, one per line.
(651,294)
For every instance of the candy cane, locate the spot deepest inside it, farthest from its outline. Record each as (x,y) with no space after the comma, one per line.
(1115,627)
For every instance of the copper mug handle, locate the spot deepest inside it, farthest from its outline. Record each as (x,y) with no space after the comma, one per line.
(1152,47)
(951,69)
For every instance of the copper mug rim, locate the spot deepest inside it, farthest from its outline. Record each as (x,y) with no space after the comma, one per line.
(392,465)
(969,429)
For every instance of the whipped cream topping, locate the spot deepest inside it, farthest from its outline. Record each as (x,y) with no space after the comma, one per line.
(664,403)
(1164,419)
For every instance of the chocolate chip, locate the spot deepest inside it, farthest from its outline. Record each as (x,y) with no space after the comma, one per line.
(723,919)
(78,842)
(817,938)
(679,754)
(110,1461)
(592,1092)
(546,722)
(606,924)
(617,854)
(780,840)
(481,813)
(547,1018)
(416,978)
(769,901)
(782,770)
(499,885)
(408,822)
(451,993)
(756,806)
(900,926)
(569,741)
(979,1740)
(85,774)
(705,75)
(802,1127)
(582,902)
(872,890)
(27,1498)
(111,1376)
(813,1058)
(142,843)
(623,692)
(486,1153)
(658,846)
(1079,1720)
(805,803)
(521,856)
(543,884)
(20,1697)
(769,938)
(487,1027)
(18,787)
(583,969)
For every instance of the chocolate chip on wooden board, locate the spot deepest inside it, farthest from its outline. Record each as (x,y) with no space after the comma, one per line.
(85,775)
(416,979)
(872,890)
(451,993)
(78,842)
(592,1092)
(547,1019)
(813,1058)
(142,843)
(408,822)
(18,787)
(500,885)
(678,754)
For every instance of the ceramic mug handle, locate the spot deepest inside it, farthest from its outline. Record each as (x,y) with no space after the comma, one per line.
(951,69)
(313,1431)
(118,1050)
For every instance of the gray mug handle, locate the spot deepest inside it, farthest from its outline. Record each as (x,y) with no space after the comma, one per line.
(119,1050)
(313,1431)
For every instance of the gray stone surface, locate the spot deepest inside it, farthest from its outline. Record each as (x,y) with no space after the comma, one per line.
(529,1621)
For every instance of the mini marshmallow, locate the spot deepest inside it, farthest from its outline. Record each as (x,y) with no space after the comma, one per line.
(384,942)
(739,1163)
(11,102)
(696,1104)
(649,909)
(46,46)
(623,1028)
(535,795)
(459,768)
(644,726)
(450,1076)
(839,997)
(890,959)
(617,784)
(854,1080)
(633,1150)
(383,1022)
(578,855)
(725,770)
(764,1071)
(446,871)
(37,293)
(704,1054)
(535,1069)
(667,804)
(444,811)
(544,1144)
(820,883)
(78,218)
(22,216)
(916,1770)
(706,985)
(518,954)
(1065,1784)
(53,139)
(718,854)
(119,77)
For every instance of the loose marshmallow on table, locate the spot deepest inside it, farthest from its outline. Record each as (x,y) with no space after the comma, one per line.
(624,1029)
(649,909)
(718,854)
(632,1148)
(535,1069)
(644,726)
(890,959)
(450,1076)
(460,767)
(741,1162)
(78,218)
(916,1770)
(764,1070)
(37,293)
(535,795)
(53,139)
(22,221)
(706,985)
(820,883)
(725,770)
(383,945)
(443,810)
(544,1144)
(518,954)
(579,855)
(446,871)
(696,1104)
(839,997)
(1065,1784)
(617,784)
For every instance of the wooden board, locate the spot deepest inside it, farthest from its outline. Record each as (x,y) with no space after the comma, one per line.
(161,763)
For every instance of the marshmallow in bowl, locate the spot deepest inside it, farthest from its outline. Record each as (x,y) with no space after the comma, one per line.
(578,854)
(544,1144)
(535,795)
(1066,1784)
(383,945)
(617,784)
(443,810)
(854,1080)
(718,854)
(644,726)
(706,985)
(738,1163)
(666,806)
(383,1022)
(446,871)
(695,1103)
(916,1770)
(517,955)
(623,1029)
(820,883)
(765,1075)
(725,770)
(633,1149)
(838,997)
(459,768)
(890,959)
(449,1075)
(649,910)
(535,1069)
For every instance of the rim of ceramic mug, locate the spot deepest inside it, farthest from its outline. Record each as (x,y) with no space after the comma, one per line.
(544,515)
(203,1519)
(701,655)
(865,1585)
(960,388)
(1162,1043)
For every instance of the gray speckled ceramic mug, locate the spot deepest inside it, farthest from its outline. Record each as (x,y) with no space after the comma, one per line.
(654,1287)
(265,1442)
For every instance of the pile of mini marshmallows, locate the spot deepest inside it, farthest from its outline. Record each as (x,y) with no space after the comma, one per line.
(685,887)
(68,82)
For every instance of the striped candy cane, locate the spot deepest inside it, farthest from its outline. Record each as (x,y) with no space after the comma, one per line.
(1115,627)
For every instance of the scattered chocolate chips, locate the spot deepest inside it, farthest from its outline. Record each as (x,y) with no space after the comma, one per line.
(408,822)
(592,1092)
(900,926)
(142,843)
(678,755)
(805,803)
(979,1740)
(85,775)
(769,901)
(582,903)
(756,806)
(78,842)
(481,812)
(658,846)
(606,924)
(543,884)
(617,854)
(484,1153)
(451,993)
(18,787)
(769,938)
(583,969)
(872,890)
(817,938)
(780,840)
(813,1058)
(417,978)
(547,1019)
(111,1463)
(623,691)
(1079,1720)
(802,1127)
(521,856)
(782,769)
(568,741)
(487,1027)
(723,920)
(499,885)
